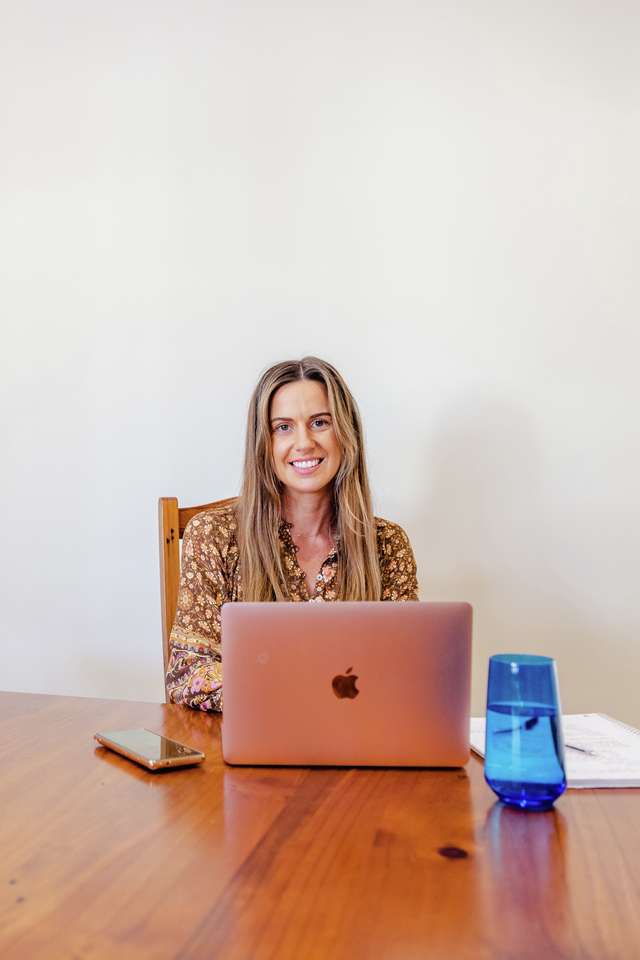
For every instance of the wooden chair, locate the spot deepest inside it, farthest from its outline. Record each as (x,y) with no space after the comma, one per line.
(172,521)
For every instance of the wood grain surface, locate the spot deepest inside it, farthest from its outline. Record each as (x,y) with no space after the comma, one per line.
(101,858)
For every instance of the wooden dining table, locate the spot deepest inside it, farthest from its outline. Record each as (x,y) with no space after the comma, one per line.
(101,858)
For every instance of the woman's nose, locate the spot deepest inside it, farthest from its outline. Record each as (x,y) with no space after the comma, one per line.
(303,439)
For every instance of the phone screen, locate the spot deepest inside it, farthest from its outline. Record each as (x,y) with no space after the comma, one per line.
(148,744)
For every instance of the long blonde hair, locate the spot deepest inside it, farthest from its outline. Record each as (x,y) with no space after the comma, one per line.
(259,507)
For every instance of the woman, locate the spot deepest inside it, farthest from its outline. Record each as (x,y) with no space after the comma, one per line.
(302,528)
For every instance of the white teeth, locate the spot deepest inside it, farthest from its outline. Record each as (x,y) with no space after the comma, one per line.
(305,464)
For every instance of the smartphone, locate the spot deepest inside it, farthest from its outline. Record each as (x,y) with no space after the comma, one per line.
(149,749)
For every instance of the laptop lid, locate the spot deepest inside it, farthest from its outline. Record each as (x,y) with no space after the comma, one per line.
(350,683)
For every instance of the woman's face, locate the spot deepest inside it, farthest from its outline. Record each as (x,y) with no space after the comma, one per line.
(306,454)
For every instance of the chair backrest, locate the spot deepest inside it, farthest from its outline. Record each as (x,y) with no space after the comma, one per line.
(172,520)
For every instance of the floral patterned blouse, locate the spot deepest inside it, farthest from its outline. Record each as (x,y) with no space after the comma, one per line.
(210,576)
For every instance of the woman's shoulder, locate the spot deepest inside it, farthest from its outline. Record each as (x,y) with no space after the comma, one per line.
(390,535)
(213,528)
(397,562)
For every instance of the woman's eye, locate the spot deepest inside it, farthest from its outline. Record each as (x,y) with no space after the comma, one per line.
(282,428)
(321,422)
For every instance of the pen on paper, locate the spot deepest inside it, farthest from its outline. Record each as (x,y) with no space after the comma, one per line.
(527,725)
(531,723)
(572,746)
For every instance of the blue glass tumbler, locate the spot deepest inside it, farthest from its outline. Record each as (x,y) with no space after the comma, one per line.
(524,747)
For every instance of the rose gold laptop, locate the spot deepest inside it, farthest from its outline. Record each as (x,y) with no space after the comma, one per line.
(352,683)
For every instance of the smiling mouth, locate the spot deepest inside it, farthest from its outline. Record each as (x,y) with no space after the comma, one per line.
(306,466)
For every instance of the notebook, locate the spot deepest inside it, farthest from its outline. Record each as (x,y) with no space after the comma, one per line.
(346,684)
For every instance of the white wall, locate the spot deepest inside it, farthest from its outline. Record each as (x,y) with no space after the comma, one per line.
(441,199)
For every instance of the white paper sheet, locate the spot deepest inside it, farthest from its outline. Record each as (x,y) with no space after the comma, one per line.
(608,753)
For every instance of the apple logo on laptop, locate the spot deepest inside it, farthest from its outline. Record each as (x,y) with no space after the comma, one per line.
(344,685)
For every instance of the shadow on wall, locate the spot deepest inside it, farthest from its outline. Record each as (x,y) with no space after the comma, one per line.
(489,535)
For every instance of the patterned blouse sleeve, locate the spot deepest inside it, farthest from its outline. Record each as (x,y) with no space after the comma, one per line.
(397,564)
(194,672)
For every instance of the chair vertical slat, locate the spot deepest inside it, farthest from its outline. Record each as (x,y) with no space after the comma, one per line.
(169,527)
